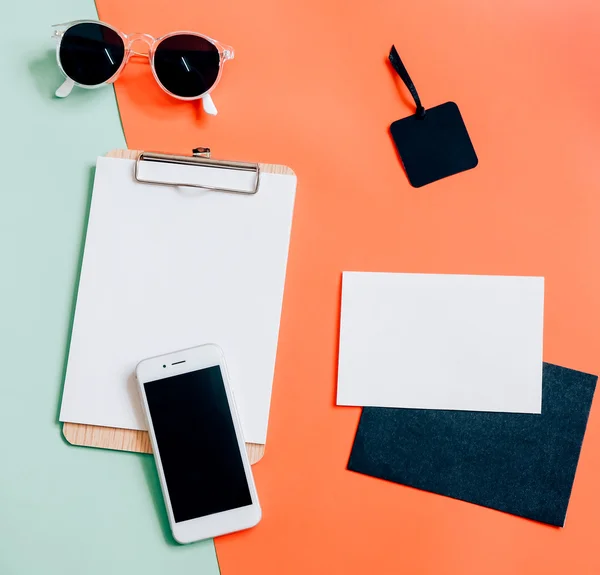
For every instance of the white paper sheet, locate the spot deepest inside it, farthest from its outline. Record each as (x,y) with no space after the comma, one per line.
(168,268)
(441,342)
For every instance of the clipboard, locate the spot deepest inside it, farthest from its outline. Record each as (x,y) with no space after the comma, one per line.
(134,440)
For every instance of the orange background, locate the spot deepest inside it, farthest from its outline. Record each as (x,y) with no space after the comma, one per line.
(310,88)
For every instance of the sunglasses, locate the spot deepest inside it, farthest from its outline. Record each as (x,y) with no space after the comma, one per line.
(186,65)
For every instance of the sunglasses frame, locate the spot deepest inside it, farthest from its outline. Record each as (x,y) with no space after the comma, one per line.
(225,53)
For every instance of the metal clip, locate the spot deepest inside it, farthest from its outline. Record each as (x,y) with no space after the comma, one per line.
(201,152)
(200,157)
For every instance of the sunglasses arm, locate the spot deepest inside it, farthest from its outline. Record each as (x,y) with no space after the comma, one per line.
(209,105)
(65,88)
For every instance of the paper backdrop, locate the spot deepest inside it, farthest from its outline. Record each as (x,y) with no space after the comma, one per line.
(310,87)
(64,510)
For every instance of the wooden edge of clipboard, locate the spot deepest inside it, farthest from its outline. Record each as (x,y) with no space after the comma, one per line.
(128,439)
(131,439)
(267,168)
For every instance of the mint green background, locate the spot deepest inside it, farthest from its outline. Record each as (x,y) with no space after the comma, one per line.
(63,509)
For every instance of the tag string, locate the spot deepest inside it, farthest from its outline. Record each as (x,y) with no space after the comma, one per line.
(403,73)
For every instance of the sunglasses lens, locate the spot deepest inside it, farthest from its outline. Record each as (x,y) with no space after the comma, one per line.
(90,53)
(187,65)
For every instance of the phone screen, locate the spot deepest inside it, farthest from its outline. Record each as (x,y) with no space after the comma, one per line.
(197,443)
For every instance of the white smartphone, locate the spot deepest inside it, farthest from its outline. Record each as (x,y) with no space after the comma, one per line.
(204,471)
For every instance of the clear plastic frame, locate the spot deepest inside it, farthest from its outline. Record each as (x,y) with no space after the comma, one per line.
(129,40)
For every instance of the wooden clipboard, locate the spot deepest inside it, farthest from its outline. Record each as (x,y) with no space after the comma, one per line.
(131,439)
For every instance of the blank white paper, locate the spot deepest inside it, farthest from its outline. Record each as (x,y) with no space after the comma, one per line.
(169,268)
(441,342)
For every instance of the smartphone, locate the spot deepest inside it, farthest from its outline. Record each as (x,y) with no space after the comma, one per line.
(204,471)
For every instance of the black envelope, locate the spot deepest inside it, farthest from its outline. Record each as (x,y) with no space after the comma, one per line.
(522,464)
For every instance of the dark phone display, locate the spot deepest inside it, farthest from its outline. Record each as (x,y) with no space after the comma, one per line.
(198,447)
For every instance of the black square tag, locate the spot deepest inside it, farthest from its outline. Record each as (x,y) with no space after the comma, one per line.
(434,145)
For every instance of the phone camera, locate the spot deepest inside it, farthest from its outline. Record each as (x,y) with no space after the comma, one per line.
(164,366)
